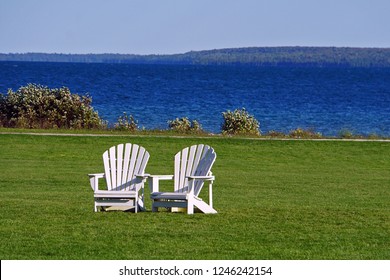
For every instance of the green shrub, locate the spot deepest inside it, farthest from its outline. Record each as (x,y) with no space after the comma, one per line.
(184,125)
(304,134)
(126,122)
(240,122)
(36,106)
(276,134)
(346,133)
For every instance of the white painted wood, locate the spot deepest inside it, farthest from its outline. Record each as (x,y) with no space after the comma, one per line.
(106,162)
(112,167)
(119,164)
(133,159)
(124,171)
(183,165)
(136,183)
(126,160)
(191,160)
(211,191)
(198,155)
(204,168)
(192,168)
(177,172)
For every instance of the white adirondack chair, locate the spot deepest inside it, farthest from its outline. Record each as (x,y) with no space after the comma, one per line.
(124,171)
(192,168)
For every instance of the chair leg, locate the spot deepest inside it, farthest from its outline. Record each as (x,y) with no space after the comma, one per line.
(141,204)
(190,207)
(154,209)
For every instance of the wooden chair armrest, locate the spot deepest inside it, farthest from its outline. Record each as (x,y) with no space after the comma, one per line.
(97,175)
(142,176)
(206,178)
(161,177)
(94,180)
(153,181)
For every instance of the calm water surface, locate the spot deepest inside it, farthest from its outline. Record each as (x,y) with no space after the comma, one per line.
(327,100)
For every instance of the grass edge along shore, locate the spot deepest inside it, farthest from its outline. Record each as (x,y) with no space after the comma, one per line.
(275,200)
(174,134)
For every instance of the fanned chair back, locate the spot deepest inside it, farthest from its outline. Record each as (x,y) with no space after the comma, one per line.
(196,160)
(121,165)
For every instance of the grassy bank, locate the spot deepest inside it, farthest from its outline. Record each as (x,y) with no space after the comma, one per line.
(276,200)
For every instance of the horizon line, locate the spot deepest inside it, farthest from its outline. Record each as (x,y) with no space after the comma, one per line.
(186,52)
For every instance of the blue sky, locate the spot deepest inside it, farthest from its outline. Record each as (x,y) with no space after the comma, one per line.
(178,26)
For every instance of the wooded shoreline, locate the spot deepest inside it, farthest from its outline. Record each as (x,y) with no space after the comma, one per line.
(256,56)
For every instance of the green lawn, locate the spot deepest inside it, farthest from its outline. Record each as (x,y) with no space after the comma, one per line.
(276,200)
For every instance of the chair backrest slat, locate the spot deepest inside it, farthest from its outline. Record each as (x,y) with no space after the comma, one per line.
(133,159)
(112,173)
(107,169)
(126,160)
(204,169)
(144,162)
(176,178)
(142,159)
(140,156)
(183,167)
(199,150)
(190,165)
(119,164)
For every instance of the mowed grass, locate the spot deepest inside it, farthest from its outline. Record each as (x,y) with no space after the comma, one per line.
(276,200)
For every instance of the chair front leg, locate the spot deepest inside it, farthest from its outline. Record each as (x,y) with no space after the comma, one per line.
(136,203)
(211,193)
(190,206)
(153,183)
(190,196)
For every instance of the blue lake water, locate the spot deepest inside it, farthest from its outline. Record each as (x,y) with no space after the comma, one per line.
(327,100)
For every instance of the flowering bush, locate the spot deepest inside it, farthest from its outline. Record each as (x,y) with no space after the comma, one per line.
(36,106)
(126,122)
(239,122)
(184,125)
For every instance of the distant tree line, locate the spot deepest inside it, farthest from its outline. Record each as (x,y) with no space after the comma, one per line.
(259,56)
